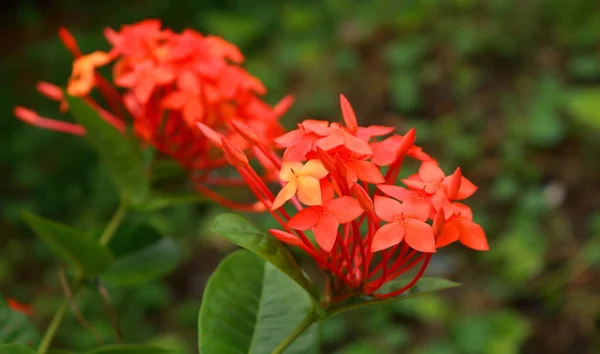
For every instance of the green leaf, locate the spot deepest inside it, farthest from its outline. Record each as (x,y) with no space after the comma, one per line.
(121,156)
(144,265)
(424,286)
(15,349)
(249,306)
(15,328)
(584,105)
(163,200)
(130,349)
(132,236)
(84,253)
(239,231)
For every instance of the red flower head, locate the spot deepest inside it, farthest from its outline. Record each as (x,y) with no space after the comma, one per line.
(331,174)
(168,84)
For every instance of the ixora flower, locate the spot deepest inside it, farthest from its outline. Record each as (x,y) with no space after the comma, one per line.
(163,84)
(368,230)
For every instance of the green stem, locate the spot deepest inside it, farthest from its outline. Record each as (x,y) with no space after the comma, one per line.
(53,327)
(303,326)
(113,224)
(107,235)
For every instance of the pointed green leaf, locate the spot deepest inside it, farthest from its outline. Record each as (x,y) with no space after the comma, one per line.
(119,154)
(142,266)
(15,349)
(74,247)
(130,349)
(424,286)
(249,306)
(241,232)
(15,327)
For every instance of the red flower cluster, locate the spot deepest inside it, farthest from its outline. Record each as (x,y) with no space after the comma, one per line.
(334,176)
(166,82)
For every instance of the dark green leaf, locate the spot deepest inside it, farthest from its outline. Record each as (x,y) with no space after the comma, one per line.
(144,265)
(124,160)
(15,349)
(130,349)
(15,328)
(86,254)
(239,231)
(132,236)
(249,306)
(424,286)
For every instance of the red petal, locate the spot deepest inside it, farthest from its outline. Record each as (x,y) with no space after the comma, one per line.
(143,89)
(419,236)
(414,184)
(357,145)
(348,114)
(417,153)
(430,172)
(387,236)
(298,151)
(193,111)
(400,193)
(330,142)
(472,235)
(449,234)
(319,127)
(345,209)
(462,210)
(418,208)
(467,188)
(368,172)
(376,130)
(326,231)
(452,183)
(387,209)
(305,218)
(385,152)
(327,192)
(174,100)
(289,139)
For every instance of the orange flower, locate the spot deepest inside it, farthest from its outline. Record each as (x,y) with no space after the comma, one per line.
(303,179)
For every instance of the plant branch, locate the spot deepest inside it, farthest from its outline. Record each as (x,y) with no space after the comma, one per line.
(113,224)
(58,317)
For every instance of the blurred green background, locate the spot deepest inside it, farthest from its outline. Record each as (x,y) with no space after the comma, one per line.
(507,89)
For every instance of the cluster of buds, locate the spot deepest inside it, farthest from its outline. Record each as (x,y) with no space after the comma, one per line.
(163,84)
(333,176)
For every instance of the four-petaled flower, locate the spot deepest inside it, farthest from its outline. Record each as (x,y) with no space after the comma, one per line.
(325,219)
(303,179)
(406,222)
